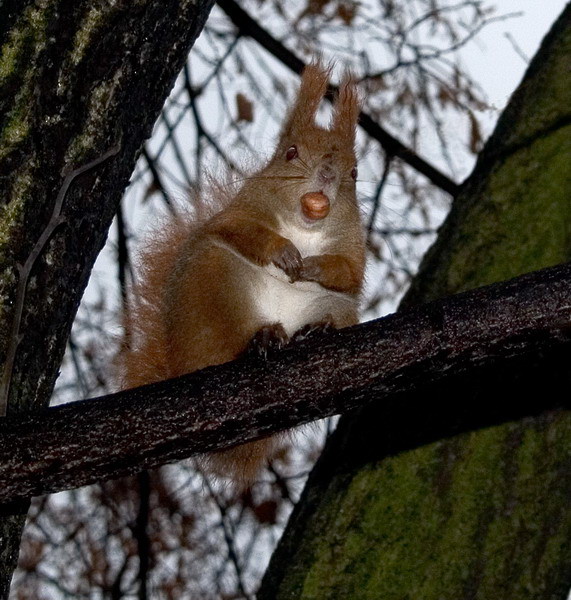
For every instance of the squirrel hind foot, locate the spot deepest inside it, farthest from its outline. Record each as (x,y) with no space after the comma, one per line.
(311,329)
(267,340)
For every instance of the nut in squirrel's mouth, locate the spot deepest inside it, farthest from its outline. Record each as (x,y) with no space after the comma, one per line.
(315,205)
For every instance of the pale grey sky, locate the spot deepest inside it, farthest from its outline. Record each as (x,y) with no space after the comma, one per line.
(492,59)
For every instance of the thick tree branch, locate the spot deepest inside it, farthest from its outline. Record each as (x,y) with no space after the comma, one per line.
(523,325)
(248,26)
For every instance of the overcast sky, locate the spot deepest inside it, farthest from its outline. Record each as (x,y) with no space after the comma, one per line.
(500,77)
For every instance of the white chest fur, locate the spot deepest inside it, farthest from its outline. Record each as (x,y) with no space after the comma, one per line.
(275,299)
(309,241)
(294,305)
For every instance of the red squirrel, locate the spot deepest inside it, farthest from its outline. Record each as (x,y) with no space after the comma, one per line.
(286,252)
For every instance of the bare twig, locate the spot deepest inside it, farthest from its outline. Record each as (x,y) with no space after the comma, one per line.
(510,38)
(24,271)
(378,193)
(141,534)
(229,538)
(393,147)
(157,180)
(123,259)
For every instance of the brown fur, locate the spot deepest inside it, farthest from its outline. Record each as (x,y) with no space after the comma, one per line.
(192,304)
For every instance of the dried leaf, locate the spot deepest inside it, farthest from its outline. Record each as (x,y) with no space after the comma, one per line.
(346,11)
(315,7)
(406,97)
(152,189)
(245,108)
(312,9)
(376,83)
(445,96)
(31,555)
(266,512)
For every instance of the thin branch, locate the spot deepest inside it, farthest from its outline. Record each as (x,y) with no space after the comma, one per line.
(247,26)
(201,131)
(157,180)
(141,534)
(524,322)
(24,270)
(378,193)
(510,38)
(229,538)
(123,259)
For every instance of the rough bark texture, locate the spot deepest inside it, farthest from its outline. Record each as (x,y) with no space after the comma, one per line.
(484,514)
(521,325)
(76,78)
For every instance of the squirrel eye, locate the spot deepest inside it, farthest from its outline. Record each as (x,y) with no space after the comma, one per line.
(354,172)
(291,153)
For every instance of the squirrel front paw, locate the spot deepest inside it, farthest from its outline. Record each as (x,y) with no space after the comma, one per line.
(311,269)
(289,260)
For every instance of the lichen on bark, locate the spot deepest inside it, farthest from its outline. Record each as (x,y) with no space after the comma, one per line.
(76,79)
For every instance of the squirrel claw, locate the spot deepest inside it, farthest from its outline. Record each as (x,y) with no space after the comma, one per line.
(290,262)
(309,330)
(267,340)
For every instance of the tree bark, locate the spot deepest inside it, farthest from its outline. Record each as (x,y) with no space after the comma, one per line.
(76,79)
(484,514)
(515,326)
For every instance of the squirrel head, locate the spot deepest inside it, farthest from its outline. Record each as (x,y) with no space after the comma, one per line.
(313,170)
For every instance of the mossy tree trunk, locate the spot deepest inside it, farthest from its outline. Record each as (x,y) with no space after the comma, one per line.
(76,79)
(486,514)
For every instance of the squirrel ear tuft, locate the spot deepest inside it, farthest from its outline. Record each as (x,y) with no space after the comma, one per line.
(346,109)
(314,80)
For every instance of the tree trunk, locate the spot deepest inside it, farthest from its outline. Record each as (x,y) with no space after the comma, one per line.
(77,79)
(484,514)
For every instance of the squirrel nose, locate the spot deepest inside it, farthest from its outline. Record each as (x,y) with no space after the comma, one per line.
(327,174)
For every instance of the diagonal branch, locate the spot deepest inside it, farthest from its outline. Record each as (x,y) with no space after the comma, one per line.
(511,334)
(393,147)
